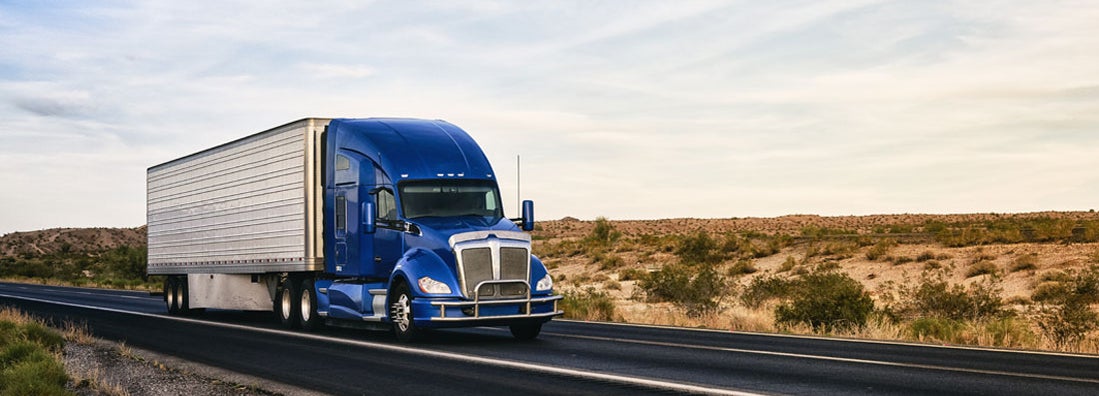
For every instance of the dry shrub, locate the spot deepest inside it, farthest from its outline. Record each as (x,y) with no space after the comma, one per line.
(880,250)
(697,290)
(981,268)
(826,301)
(1025,262)
(588,304)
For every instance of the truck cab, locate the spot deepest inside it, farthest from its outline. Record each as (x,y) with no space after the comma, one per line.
(415,235)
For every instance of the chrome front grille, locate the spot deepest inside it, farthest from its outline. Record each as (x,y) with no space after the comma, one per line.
(492,256)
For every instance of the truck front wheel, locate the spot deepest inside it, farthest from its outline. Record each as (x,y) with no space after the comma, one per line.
(526,332)
(400,312)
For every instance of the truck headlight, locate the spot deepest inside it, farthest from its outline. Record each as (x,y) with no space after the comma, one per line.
(545,284)
(431,286)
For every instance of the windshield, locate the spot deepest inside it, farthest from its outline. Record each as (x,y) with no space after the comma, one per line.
(450,198)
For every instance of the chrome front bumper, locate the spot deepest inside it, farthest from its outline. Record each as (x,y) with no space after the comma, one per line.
(477,303)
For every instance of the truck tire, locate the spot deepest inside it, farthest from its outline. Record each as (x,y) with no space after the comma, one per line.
(400,313)
(182,296)
(526,332)
(287,306)
(170,296)
(307,303)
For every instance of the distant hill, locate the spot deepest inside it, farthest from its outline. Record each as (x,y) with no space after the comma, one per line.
(70,241)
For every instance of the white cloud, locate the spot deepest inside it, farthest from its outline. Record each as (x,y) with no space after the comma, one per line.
(337,71)
(646,110)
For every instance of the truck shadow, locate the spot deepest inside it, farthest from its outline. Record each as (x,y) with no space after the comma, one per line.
(445,337)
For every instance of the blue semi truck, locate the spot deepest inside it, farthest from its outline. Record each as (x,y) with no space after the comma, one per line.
(377,222)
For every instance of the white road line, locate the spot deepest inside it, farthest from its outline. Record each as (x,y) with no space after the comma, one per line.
(97,294)
(838,339)
(671,386)
(833,358)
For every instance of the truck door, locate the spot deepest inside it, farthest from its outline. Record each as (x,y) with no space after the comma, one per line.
(388,239)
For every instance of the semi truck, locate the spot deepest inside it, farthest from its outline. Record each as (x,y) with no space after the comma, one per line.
(384,223)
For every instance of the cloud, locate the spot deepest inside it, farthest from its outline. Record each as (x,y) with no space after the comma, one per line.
(334,71)
(696,108)
(57,104)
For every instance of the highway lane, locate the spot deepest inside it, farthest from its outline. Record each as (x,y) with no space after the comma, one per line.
(592,358)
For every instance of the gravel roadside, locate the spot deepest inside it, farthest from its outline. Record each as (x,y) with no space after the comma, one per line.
(99,367)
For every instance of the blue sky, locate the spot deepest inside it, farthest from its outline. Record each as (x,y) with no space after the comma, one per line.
(623,109)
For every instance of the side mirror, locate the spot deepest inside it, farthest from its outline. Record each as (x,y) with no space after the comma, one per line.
(528,215)
(369,224)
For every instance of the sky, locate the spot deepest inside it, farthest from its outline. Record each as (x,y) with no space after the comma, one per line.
(621,109)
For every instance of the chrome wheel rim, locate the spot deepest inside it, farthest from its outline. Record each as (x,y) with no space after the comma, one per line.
(401,310)
(171,296)
(287,305)
(306,305)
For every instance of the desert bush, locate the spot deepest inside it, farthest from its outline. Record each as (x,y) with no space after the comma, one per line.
(1025,262)
(771,245)
(981,255)
(981,268)
(608,261)
(697,290)
(898,260)
(603,234)
(935,297)
(612,284)
(840,249)
(1008,332)
(1064,314)
(788,264)
(826,301)
(880,250)
(827,265)
(699,248)
(766,288)
(627,274)
(742,267)
(588,304)
(932,328)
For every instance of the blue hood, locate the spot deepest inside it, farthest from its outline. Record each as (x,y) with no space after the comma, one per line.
(436,232)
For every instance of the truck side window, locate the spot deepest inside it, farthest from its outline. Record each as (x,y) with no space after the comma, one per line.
(387,206)
(341,214)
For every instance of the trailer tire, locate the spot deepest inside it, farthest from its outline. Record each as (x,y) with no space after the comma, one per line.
(525,332)
(183,296)
(287,305)
(307,303)
(400,313)
(170,296)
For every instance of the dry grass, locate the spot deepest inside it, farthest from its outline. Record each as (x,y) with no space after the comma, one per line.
(78,333)
(94,379)
(148,287)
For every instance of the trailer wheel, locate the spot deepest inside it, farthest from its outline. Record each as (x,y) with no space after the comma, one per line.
(182,296)
(170,298)
(307,303)
(400,312)
(526,332)
(287,306)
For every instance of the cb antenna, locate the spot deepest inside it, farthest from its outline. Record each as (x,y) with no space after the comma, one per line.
(518,180)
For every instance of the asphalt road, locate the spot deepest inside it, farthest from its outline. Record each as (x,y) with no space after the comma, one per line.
(568,358)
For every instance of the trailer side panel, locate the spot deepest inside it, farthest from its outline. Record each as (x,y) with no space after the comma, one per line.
(248,206)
